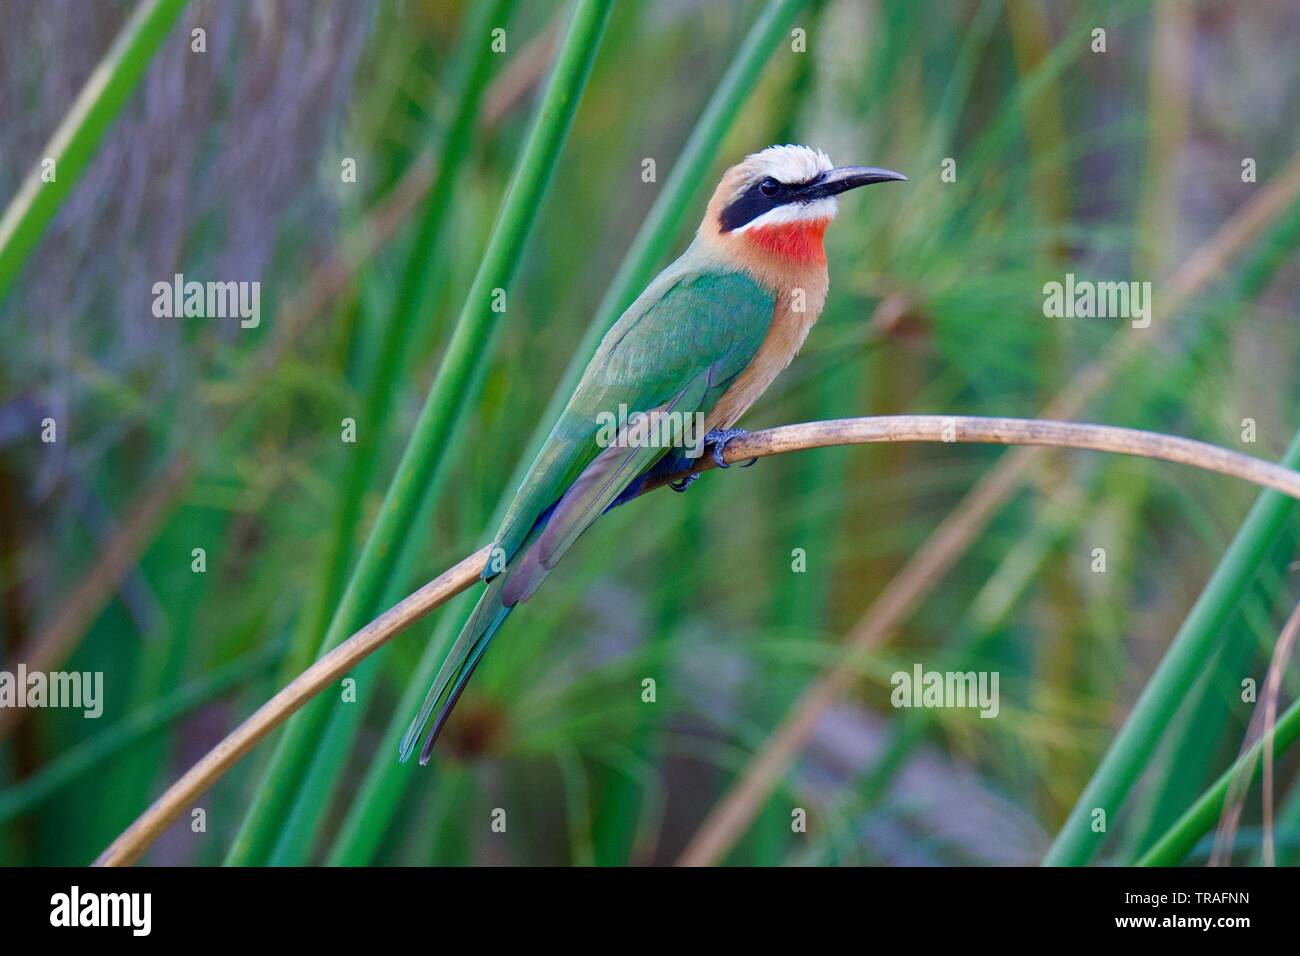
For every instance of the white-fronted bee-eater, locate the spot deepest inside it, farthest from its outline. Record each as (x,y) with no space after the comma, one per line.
(705,340)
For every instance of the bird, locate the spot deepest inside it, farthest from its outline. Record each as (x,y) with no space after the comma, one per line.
(705,339)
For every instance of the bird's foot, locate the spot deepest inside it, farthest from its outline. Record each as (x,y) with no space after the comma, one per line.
(681,484)
(719,439)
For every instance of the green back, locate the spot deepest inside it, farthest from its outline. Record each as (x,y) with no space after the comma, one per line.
(690,322)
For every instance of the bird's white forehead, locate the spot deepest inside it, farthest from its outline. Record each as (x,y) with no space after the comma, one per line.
(787,164)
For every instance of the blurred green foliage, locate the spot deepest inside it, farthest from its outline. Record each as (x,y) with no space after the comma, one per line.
(1115,164)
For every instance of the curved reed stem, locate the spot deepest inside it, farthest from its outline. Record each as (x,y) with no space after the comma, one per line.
(137,838)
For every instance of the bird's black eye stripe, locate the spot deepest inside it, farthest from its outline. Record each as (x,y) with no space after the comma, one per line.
(758,198)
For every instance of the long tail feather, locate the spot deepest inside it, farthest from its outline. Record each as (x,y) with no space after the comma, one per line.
(463,675)
(456,669)
(551,536)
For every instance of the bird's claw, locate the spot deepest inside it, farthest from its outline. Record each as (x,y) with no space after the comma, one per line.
(681,484)
(719,438)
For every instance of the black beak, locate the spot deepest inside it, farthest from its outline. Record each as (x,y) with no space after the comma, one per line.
(843,178)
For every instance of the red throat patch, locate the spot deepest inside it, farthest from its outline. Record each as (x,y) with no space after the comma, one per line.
(796,241)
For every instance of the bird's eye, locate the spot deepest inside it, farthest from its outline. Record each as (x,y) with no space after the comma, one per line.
(769,187)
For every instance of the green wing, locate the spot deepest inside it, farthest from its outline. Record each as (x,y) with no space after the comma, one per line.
(680,345)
